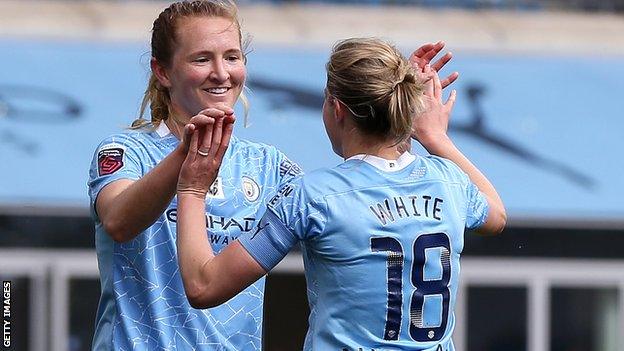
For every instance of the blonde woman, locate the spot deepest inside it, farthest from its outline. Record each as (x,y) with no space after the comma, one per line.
(198,74)
(381,233)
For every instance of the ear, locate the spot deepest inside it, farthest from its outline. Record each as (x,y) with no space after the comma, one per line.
(340,111)
(161,73)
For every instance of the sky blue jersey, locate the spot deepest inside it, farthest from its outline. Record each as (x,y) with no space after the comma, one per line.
(381,242)
(143,305)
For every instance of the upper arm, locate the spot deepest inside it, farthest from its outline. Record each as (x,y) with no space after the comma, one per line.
(115,165)
(105,199)
(495,221)
(484,214)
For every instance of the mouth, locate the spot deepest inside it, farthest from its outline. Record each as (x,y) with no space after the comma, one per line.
(217,91)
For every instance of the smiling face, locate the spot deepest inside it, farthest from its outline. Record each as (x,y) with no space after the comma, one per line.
(207,67)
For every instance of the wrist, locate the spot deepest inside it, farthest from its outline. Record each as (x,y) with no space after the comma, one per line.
(436,144)
(191,195)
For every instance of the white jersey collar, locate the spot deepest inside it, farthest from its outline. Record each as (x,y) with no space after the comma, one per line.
(386,165)
(162,129)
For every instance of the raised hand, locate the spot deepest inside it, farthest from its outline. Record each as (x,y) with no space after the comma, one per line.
(200,119)
(423,56)
(208,136)
(431,125)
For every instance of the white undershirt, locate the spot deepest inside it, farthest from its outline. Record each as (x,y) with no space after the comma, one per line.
(162,129)
(386,165)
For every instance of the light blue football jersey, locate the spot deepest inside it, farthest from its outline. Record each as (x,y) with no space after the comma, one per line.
(143,305)
(381,242)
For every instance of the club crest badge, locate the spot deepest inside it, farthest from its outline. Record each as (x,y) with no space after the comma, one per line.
(110,159)
(251,190)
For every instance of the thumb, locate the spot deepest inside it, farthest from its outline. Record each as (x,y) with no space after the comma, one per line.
(186,134)
(450,102)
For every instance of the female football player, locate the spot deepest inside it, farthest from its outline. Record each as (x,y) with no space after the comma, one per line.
(381,233)
(198,73)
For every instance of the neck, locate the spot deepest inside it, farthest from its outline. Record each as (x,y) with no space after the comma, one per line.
(367,145)
(175,128)
(176,125)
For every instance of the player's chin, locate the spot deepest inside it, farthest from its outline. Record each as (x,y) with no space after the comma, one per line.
(219,100)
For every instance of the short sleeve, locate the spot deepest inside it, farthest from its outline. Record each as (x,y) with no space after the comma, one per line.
(477,207)
(468,194)
(117,157)
(288,169)
(290,217)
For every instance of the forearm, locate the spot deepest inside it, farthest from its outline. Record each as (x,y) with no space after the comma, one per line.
(443,146)
(194,250)
(139,205)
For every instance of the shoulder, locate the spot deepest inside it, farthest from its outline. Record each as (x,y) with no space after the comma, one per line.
(442,168)
(252,147)
(262,154)
(129,138)
(322,182)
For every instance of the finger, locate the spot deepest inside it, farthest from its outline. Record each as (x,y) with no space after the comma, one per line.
(212,112)
(442,61)
(229,119)
(201,120)
(422,50)
(450,102)
(450,79)
(206,134)
(437,88)
(187,133)
(217,132)
(225,140)
(429,86)
(193,144)
(437,47)
(218,107)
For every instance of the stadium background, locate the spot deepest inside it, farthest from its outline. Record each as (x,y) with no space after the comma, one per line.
(539,110)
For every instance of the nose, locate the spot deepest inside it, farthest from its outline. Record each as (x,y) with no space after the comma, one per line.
(219,72)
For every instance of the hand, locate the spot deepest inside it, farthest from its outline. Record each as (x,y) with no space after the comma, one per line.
(218,111)
(208,139)
(431,125)
(423,56)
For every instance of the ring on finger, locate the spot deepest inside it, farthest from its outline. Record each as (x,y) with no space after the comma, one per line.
(202,153)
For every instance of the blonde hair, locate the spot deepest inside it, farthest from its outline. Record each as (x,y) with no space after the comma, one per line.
(378,86)
(163,46)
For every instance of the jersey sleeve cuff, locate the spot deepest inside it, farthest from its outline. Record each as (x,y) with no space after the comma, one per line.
(270,242)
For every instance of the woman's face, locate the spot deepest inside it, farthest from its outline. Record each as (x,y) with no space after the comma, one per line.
(207,68)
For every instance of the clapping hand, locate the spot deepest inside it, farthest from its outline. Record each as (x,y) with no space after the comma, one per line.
(423,56)
(207,135)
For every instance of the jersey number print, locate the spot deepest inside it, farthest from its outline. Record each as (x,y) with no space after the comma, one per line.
(424,289)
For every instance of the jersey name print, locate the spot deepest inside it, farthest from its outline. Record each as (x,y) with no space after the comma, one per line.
(381,250)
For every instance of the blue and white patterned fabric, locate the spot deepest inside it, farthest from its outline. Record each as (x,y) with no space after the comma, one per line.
(381,242)
(143,305)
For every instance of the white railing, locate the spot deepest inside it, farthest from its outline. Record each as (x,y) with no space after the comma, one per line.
(50,302)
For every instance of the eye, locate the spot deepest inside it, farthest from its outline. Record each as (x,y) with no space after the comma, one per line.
(201,59)
(233,57)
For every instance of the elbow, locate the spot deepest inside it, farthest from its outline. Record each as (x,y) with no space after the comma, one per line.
(498,222)
(495,223)
(501,223)
(200,296)
(116,231)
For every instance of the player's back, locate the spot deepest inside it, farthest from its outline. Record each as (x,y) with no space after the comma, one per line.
(382,270)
